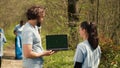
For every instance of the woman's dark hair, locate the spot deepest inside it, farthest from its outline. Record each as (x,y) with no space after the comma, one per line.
(91,29)
(34,12)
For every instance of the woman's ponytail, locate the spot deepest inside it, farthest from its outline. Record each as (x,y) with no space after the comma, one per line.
(91,29)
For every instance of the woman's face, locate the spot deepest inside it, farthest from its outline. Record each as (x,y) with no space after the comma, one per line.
(82,32)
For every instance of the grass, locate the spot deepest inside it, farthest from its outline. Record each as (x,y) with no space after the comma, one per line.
(61,59)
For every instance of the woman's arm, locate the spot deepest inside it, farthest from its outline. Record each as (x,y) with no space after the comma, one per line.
(28,53)
(79,57)
(78,65)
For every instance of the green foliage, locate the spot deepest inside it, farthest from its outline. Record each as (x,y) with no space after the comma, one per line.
(62,59)
(110,53)
(56,22)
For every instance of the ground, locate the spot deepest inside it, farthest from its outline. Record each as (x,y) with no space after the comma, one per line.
(9,59)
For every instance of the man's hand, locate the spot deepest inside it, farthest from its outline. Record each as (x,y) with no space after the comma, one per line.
(48,53)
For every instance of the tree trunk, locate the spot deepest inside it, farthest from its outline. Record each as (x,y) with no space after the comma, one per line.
(73,17)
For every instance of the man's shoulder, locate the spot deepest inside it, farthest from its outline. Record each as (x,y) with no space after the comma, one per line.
(27,28)
(18,25)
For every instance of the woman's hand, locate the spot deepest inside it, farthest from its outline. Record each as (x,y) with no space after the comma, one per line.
(48,53)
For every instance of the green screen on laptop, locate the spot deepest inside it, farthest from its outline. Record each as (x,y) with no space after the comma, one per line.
(56,42)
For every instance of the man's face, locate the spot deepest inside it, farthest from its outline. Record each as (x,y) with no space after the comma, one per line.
(41,18)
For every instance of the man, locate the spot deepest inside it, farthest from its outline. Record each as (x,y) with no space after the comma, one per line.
(31,40)
(18,43)
(2,41)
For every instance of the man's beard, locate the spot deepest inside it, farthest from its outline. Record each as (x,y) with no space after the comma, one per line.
(38,23)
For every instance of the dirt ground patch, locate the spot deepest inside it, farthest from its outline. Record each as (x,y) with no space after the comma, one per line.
(8,60)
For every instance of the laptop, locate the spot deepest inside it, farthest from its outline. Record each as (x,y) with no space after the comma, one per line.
(56,42)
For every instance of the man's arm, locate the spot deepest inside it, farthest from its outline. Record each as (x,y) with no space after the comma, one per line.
(4,39)
(15,30)
(28,53)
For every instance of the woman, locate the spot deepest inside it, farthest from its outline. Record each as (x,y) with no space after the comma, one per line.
(31,41)
(88,52)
